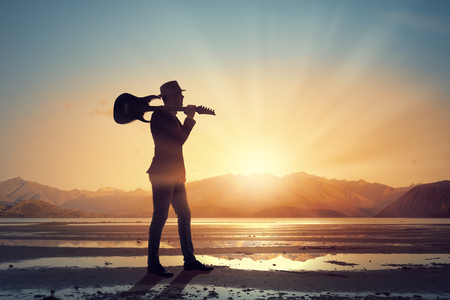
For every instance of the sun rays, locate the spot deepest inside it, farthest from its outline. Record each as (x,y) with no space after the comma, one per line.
(339,89)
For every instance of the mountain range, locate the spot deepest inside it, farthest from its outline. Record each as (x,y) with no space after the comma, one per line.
(41,209)
(426,200)
(257,195)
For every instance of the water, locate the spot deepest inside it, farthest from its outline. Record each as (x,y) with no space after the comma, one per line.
(241,237)
(280,263)
(247,233)
(228,221)
(256,262)
(217,232)
(236,233)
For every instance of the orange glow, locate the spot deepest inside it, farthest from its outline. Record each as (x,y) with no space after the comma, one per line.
(340,91)
(319,125)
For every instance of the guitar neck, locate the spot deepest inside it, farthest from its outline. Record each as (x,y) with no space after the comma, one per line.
(169,108)
(198,109)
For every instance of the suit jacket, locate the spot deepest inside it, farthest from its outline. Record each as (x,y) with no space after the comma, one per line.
(169,136)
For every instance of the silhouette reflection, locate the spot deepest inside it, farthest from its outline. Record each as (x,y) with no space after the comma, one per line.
(173,291)
(141,288)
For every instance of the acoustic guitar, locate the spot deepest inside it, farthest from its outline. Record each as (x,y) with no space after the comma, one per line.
(128,108)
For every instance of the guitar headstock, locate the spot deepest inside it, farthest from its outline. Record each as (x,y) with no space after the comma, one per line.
(205,110)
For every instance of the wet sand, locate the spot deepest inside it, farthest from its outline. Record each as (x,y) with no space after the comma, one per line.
(104,282)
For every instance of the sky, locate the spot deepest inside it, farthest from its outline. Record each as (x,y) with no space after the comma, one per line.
(339,89)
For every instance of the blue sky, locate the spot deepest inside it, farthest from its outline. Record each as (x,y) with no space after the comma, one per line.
(340,89)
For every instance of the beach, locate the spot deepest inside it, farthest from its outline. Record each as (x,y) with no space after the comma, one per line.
(252,260)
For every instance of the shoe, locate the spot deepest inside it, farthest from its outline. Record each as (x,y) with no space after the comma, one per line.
(159,270)
(196,266)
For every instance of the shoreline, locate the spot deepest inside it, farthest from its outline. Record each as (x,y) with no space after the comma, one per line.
(17,253)
(304,242)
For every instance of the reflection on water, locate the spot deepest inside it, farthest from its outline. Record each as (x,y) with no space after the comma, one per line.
(249,222)
(81,244)
(325,262)
(261,262)
(170,243)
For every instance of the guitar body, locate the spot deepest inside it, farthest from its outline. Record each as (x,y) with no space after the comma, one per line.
(129,108)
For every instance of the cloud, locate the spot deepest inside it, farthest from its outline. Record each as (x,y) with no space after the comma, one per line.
(418,161)
(434,23)
(103,111)
(100,112)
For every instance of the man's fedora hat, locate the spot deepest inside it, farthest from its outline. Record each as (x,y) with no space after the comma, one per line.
(171,87)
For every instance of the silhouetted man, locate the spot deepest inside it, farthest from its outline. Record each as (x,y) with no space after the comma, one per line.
(167,175)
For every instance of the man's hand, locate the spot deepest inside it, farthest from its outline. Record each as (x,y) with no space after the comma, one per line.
(190,111)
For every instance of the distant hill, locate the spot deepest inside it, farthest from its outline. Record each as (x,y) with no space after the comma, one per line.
(17,190)
(381,194)
(41,209)
(103,201)
(426,200)
(111,200)
(257,195)
(4,199)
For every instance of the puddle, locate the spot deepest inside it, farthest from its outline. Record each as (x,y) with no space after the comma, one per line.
(325,262)
(260,262)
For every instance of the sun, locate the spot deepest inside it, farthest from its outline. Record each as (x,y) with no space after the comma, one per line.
(258,160)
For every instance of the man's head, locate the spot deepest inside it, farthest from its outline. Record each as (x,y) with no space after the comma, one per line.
(171,93)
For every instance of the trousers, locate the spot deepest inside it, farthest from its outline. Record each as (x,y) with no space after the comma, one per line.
(169,191)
